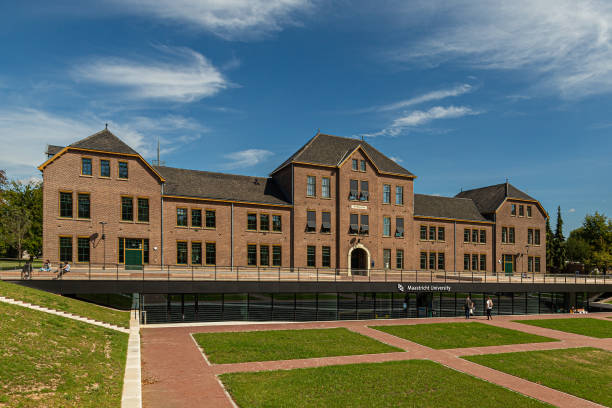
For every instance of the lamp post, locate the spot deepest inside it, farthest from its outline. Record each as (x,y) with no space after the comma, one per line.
(104,239)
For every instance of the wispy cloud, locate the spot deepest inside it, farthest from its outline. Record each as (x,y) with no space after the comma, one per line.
(572,210)
(246,158)
(229,19)
(396,159)
(418,117)
(180,74)
(427,97)
(37,128)
(567,45)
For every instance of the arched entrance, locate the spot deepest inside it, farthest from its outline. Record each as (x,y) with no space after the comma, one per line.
(358,260)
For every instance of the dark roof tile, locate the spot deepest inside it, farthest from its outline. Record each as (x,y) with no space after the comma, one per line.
(488,199)
(104,141)
(446,207)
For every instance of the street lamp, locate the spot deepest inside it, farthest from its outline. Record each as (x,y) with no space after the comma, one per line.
(104,239)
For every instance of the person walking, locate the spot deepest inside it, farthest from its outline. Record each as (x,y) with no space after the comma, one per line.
(468,307)
(489,308)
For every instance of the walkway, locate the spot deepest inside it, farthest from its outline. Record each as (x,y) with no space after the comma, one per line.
(176,373)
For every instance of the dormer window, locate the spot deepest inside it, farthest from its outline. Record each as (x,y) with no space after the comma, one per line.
(362,166)
(355,163)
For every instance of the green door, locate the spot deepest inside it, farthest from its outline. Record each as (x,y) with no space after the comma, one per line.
(508,268)
(133,259)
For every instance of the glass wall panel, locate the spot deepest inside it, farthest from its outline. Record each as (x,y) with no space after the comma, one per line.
(175,309)
(365,305)
(347,309)
(328,306)
(383,305)
(305,306)
(260,306)
(533,303)
(210,307)
(505,303)
(546,302)
(447,303)
(155,307)
(283,306)
(189,308)
(235,306)
(479,303)
(520,307)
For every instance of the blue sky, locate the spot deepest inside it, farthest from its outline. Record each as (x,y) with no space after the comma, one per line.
(463,95)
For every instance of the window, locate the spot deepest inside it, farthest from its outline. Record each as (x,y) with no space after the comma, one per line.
(441,263)
(277,226)
(196,253)
(528,211)
(530,264)
(326,256)
(251,254)
(354,224)
(181,217)
(423,260)
(264,255)
(311,186)
(423,233)
(399,258)
(65,205)
(386,226)
(121,249)
(466,262)
(386,258)
(354,190)
(211,219)
(483,262)
(466,235)
(365,194)
(83,249)
(355,163)
(536,237)
(252,222)
(127,209)
(474,262)
(362,165)
(475,236)
(311,256)
(311,221)
(537,264)
(504,235)
(86,166)
(181,252)
(511,235)
(513,209)
(399,227)
(143,210)
(123,170)
(386,194)
(325,188)
(365,224)
(211,253)
(521,211)
(196,218)
(145,251)
(483,236)
(264,222)
(399,195)
(441,234)
(83,205)
(432,233)
(65,249)
(529,236)
(277,255)
(104,168)
(432,260)
(326,222)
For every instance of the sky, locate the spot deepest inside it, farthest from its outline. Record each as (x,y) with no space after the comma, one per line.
(463,94)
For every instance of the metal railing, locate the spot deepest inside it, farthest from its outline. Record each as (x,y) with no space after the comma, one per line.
(283,274)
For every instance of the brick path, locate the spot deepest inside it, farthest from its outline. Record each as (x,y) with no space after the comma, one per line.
(176,374)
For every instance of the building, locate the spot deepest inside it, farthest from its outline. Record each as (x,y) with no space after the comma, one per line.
(337,203)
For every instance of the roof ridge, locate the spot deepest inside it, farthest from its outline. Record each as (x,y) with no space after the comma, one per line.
(440,196)
(91,136)
(213,172)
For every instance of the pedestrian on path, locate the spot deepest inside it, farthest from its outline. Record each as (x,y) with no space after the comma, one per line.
(468,307)
(489,308)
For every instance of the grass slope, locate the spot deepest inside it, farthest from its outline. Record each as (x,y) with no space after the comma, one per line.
(52,361)
(239,347)
(584,372)
(53,301)
(412,383)
(585,326)
(459,335)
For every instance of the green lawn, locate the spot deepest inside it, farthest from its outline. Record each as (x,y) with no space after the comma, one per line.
(239,347)
(50,300)
(412,383)
(52,361)
(459,335)
(584,372)
(585,326)
(15,264)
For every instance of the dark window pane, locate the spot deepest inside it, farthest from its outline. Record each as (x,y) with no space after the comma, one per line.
(441,263)
(441,234)
(365,224)
(211,219)
(354,224)
(399,227)
(466,235)
(326,222)
(211,253)
(423,260)
(104,168)
(386,258)
(196,253)
(123,170)
(311,255)
(386,193)
(423,234)
(143,210)
(196,218)
(264,255)
(277,225)
(181,252)
(252,221)
(483,262)
(83,205)
(181,217)
(475,262)
(326,256)
(145,251)
(66,205)
(432,233)
(355,163)
(483,236)
(264,222)
(362,165)
(311,186)
(466,262)
(277,255)
(83,250)
(365,194)
(354,190)
(121,249)
(311,221)
(399,258)
(86,167)
(432,260)
(127,209)
(251,255)
(475,235)
(65,246)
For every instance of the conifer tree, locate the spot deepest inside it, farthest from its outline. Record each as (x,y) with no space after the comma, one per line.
(559,244)
(550,246)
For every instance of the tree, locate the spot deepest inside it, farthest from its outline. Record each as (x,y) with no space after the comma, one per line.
(2,178)
(21,218)
(559,244)
(549,246)
(591,244)
(578,249)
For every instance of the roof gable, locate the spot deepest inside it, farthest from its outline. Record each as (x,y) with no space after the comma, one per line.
(104,141)
(446,207)
(331,151)
(488,199)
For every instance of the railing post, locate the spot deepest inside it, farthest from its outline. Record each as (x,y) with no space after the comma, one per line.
(89,268)
(237,275)
(401,275)
(168,272)
(259,274)
(117,271)
(278,273)
(472,275)
(430,276)
(298,273)
(317,274)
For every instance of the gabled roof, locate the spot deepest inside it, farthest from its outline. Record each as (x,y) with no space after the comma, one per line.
(446,207)
(220,186)
(103,141)
(488,199)
(331,151)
